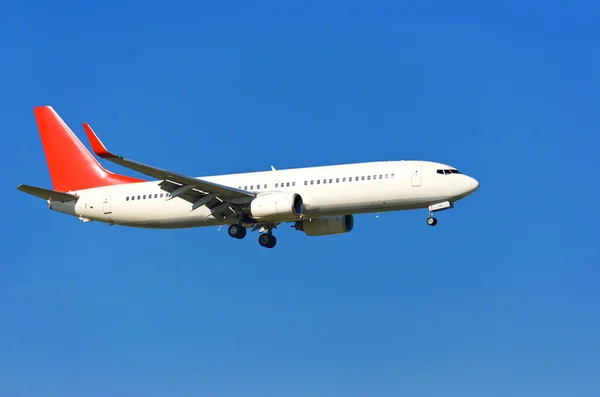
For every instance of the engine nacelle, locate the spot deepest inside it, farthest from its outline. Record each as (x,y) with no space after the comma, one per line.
(277,206)
(326,225)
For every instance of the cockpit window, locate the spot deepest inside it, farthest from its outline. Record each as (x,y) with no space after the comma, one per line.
(448,171)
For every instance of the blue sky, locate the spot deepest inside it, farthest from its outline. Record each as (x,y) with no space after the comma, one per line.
(501,298)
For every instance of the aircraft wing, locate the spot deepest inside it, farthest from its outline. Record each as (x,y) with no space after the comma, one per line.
(199,192)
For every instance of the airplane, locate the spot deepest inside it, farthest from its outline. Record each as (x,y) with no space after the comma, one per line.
(318,200)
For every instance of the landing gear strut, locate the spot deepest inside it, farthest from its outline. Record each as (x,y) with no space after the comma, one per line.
(237,231)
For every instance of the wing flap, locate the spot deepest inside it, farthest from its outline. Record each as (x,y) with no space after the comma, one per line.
(191,195)
(198,199)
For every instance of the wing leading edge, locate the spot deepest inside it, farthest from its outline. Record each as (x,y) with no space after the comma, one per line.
(220,199)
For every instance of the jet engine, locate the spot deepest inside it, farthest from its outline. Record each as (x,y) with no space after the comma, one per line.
(277,206)
(326,225)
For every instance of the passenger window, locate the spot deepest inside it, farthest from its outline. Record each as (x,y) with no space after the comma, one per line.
(161,195)
(293,183)
(324,181)
(287,184)
(265,186)
(144,197)
(363,178)
(312,182)
(257,187)
(318,181)
(392,176)
(277,184)
(380,176)
(251,187)
(127,198)
(368,177)
(337,180)
(350,179)
(305,183)
(386,176)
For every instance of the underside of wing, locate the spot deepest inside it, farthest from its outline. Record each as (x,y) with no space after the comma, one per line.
(221,206)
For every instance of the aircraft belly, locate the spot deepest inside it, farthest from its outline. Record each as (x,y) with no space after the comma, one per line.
(160,214)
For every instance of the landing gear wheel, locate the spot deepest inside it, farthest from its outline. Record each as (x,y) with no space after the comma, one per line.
(237,231)
(267,240)
(431,221)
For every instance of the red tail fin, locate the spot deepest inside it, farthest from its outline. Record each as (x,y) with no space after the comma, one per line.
(71,165)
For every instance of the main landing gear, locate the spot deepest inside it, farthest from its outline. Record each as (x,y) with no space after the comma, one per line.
(446,205)
(266,239)
(237,231)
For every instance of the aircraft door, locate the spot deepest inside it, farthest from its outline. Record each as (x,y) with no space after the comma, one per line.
(106,203)
(416,176)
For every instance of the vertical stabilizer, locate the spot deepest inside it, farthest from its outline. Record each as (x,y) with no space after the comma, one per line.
(72,167)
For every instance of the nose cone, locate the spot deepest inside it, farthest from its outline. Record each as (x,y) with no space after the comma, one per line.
(471,185)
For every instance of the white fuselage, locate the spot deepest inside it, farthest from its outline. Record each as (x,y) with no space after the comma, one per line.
(326,191)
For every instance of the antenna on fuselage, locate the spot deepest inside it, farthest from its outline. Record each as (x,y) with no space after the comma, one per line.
(273,168)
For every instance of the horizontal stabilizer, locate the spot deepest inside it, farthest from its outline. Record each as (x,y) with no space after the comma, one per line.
(47,194)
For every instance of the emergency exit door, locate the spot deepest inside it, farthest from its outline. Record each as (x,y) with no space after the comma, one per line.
(106,203)
(416,176)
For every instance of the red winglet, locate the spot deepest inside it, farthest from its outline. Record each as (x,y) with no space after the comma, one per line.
(97,145)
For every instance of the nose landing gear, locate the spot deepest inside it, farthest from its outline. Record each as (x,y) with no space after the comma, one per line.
(446,205)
